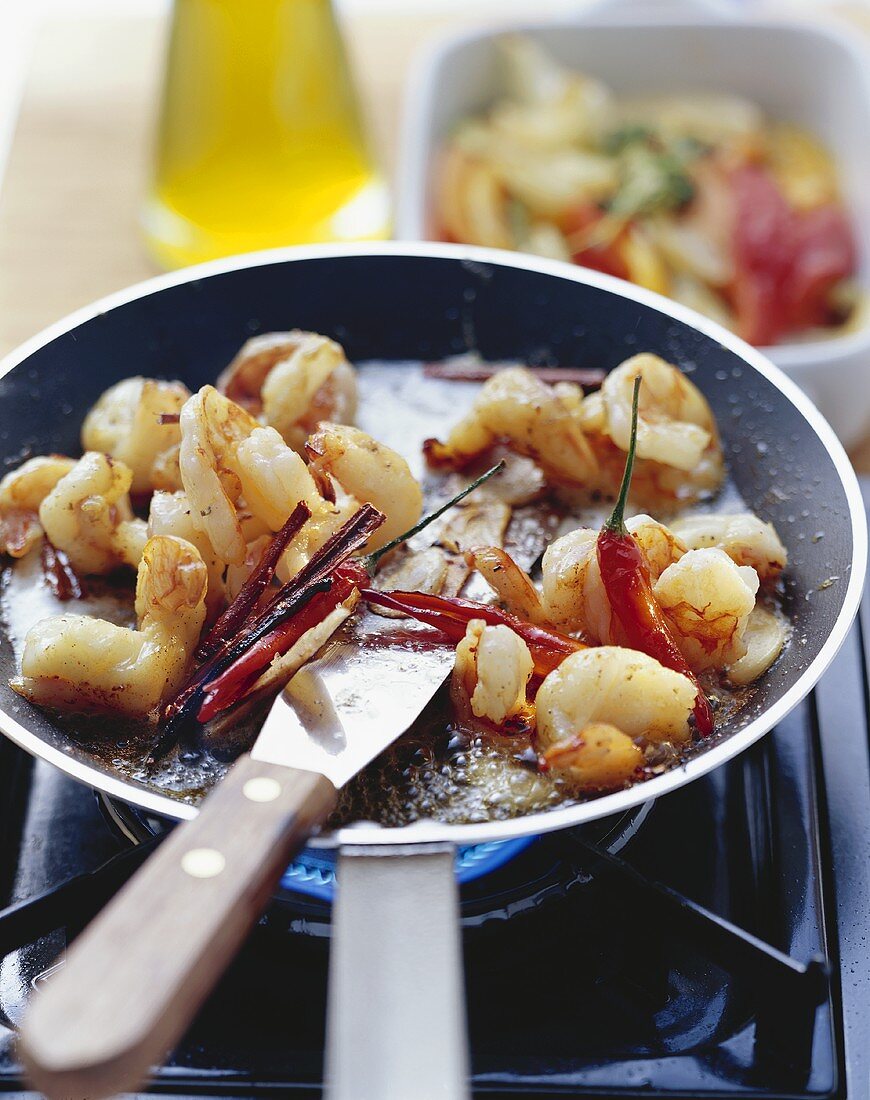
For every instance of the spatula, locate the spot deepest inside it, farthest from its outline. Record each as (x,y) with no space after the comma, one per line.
(136,976)
(134,980)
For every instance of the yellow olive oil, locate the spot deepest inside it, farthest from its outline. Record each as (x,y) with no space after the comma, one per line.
(260,141)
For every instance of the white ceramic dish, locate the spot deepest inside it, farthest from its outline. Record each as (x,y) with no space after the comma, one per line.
(816,75)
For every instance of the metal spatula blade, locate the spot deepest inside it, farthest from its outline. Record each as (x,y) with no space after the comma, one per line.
(342,710)
(182,917)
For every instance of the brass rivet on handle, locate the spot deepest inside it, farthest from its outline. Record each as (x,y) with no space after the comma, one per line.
(203,862)
(261,789)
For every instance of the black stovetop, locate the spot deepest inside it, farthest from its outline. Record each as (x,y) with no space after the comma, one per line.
(582,980)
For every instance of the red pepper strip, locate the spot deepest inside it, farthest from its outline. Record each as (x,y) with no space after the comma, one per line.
(451,615)
(297,593)
(236,680)
(249,594)
(626,582)
(177,714)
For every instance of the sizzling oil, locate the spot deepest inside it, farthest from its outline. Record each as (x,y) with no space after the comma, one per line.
(462,776)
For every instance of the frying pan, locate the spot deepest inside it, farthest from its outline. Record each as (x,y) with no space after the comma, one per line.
(394,950)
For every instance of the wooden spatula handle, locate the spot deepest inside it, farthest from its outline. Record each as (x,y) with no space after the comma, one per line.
(136,976)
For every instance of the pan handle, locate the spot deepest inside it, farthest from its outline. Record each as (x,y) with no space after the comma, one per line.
(135,978)
(396,1009)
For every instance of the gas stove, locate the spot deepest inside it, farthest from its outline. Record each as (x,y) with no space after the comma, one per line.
(714,945)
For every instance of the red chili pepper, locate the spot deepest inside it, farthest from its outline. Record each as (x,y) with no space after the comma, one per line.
(627,584)
(219,690)
(235,681)
(228,625)
(295,595)
(451,615)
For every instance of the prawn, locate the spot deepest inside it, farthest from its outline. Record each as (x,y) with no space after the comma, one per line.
(620,687)
(492,669)
(511,584)
(745,538)
(370,472)
(127,423)
(88,515)
(226,457)
(22,491)
(529,417)
(707,601)
(678,448)
(602,757)
(294,380)
(574,596)
(88,665)
(211,428)
(172,514)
